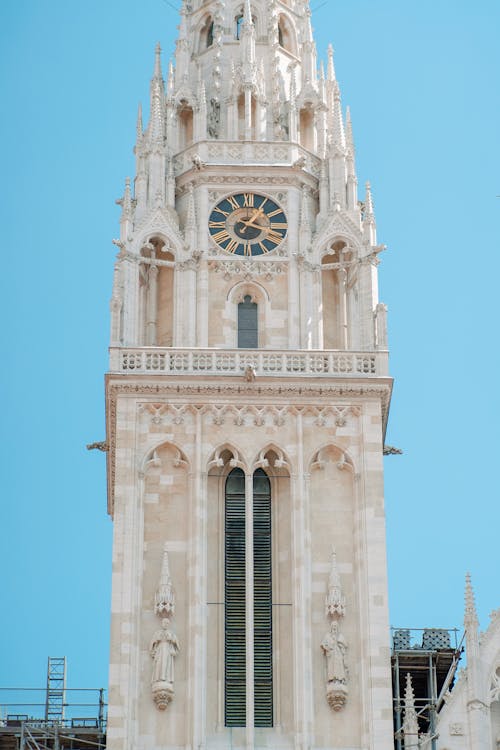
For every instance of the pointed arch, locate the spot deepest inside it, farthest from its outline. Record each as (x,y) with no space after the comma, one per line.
(156,291)
(248,294)
(287,38)
(331,451)
(151,457)
(206,34)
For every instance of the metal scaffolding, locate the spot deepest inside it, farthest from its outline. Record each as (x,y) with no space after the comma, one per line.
(43,718)
(430,656)
(56,688)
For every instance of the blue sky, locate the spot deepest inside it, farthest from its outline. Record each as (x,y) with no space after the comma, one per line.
(422,83)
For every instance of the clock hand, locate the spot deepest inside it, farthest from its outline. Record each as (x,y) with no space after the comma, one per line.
(252,221)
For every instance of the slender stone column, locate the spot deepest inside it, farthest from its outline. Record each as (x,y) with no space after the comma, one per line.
(197,572)
(248,114)
(152,306)
(342,277)
(249,611)
(177,338)
(303,689)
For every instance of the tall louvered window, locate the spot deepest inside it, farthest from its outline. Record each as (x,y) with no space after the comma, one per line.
(248,335)
(235,643)
(262,577)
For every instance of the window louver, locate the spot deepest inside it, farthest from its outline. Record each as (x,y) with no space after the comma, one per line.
(235,647)
(263,631)
(248,337)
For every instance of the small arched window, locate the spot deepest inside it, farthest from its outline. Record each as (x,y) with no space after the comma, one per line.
(239,24)
(286,37)
(206,34)
(281,38)
(248,333)
(210,34)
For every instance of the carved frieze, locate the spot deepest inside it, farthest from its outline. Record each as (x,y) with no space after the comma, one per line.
(248,268)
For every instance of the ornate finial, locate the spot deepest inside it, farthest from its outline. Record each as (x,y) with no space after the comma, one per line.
(338,135)
(470,619)
(126,201)
(369,213)
(171,79)
(348,129)
(304,209)
(139,129)
(410,722)
(331,66)
(335,601)
(247,13)
(158,73)
(164,597)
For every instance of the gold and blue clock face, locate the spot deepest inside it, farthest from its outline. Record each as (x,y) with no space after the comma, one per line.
(247,224)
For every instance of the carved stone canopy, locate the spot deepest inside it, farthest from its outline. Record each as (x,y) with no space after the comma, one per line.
(164,597)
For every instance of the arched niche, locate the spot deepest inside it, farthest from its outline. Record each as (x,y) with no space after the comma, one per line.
(185,118)
(206,34)
(242,117)
(248,292)
(336,296)
(286,34)
(306,127)
(156,293)
(238,22)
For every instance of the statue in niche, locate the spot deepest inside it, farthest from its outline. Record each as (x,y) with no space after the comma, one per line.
(334,648)
(164,648)
(214,118)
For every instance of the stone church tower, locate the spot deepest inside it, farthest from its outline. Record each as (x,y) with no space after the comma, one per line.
(247,400)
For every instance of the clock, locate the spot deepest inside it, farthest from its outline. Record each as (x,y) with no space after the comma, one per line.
(247,224)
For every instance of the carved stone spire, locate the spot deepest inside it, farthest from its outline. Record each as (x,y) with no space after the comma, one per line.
(369,211)
(127,199)
(331,67)
(156,122)
(338,135)
(164,597)
(477,698)
(247,42)
(410,722)
(335,600)
(470,618)
(139,128)
(348,130)
(305,223)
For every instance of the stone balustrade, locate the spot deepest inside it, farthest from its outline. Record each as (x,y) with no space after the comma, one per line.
(264,362)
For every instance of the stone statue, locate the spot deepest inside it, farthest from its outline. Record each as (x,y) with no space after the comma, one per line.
(214,119)
(334,648)
(164,648)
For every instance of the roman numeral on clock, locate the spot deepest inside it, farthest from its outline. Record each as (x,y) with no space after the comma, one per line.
(234,203)
(221,236)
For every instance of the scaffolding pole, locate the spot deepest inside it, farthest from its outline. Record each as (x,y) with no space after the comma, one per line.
(56,688)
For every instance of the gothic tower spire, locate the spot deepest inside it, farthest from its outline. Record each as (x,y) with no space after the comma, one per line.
(247,401)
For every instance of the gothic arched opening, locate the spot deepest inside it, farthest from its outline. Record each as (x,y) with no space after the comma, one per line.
(156,293)
(306,128)
(248,324)
(235,598)
(334,294)
(186,119)
(286,36)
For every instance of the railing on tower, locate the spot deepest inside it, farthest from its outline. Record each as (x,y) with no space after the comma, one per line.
(264,362)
